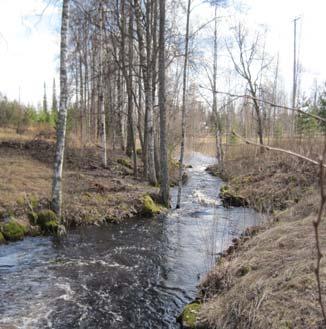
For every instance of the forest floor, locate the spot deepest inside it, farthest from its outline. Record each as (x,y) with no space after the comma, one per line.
(91,194)
(266,279)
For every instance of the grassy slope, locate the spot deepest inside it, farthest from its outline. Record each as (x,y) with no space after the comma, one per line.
(91,194)
(268,281)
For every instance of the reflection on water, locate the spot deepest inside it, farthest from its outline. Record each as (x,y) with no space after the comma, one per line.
(135,275)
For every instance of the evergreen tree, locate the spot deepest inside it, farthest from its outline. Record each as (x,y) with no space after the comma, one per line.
(45,105)
(54,108)
(322,107)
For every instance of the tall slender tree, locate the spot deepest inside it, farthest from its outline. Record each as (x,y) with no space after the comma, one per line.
(102,127)
(218,120)
(164,187)
(56,202)
(131,130)
(54,106)
(45,104)
(145,62)
(249,54)
(183,109)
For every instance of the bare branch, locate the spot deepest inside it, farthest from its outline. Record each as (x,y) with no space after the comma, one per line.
(270,148)
(297,109)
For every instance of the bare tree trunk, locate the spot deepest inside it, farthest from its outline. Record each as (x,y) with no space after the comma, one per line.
(145,60)
(131,145)
(87,97)
(102,128)
(139,122)
(94,109)
(131,133)
(81,101)
(77,112)
(149,95)
(164,187)
(183,120)
(218,123)
(295,71)
(157,150)
(56,201)
(275,86)
(260,127)
(155,30)
(119,111)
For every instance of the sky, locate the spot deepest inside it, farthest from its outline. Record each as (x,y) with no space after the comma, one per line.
(29,44)
(278,15)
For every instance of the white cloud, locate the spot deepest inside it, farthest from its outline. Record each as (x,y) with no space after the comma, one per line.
(28,49)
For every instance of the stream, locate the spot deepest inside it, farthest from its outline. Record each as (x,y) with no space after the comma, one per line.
(138,274)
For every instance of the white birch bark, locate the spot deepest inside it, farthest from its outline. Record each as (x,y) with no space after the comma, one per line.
(102,128)
(56,201)
(183,120)
(164,187)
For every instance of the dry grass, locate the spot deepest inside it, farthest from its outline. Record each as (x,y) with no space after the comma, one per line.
(270,280)
(91,193)
(272,181)
(31,132)
(22,175)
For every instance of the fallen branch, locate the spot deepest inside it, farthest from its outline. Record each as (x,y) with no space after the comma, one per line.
(270,148)
(296,109)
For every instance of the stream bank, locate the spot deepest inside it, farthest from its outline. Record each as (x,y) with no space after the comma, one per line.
(138,274)
(92,195)
(266,279)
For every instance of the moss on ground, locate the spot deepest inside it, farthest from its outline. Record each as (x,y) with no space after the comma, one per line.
(2,238)
(189,315)
(125,163)
(51,227)
(48,221)
(45,216)
(243,270)
(34,230)
(231,198)
(13,231)
(32,216)
(150,208)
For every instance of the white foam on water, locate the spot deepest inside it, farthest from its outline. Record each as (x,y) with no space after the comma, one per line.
(204,200)
(68,292)
(35,314)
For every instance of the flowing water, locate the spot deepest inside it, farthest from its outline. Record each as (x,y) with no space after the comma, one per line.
(138,274)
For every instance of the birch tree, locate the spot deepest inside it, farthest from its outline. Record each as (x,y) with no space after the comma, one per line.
(145,62)
(56,202)
(246,66)
(164,187)
(102,128)
(217,117)
(183,109)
